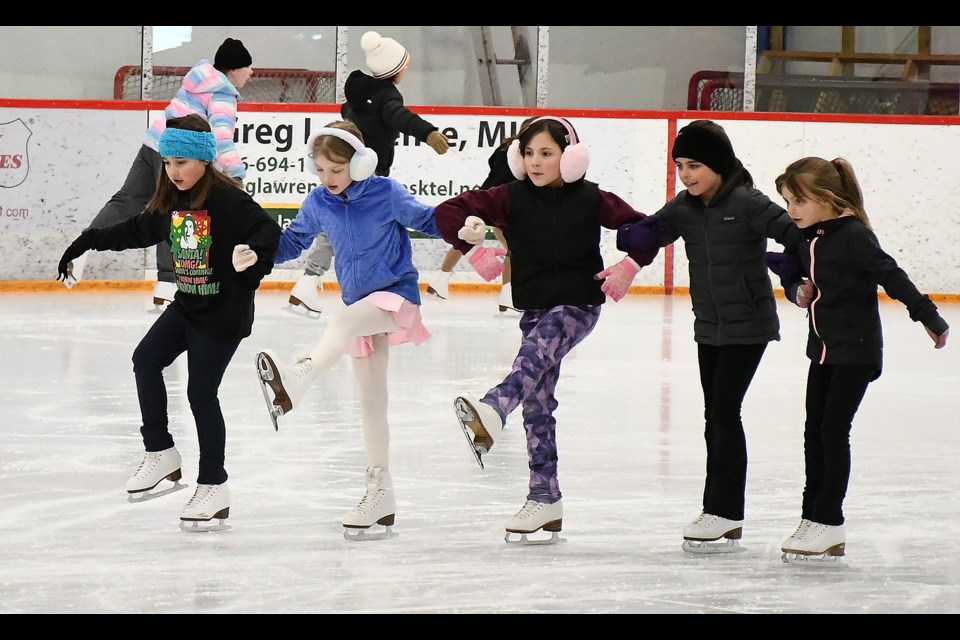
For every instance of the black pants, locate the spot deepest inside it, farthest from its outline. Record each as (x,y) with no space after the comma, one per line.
(834,393)
(725,375)
(207,360)
(132,198)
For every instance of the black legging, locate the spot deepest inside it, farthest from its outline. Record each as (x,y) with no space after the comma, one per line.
(725,375)
(834,393)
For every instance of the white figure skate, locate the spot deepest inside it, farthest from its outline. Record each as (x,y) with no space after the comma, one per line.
(304,295)
(155,467)
(75,271)
(374,515)
(163,293)
(704,534)
(505,302)
(209,501)
(819,544)
(533,517)
(440,285)
(479,421)
(287,384)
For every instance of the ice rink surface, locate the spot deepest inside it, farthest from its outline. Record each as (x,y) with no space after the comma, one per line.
(630,432)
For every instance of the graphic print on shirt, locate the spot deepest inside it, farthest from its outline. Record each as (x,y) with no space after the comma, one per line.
(190,244)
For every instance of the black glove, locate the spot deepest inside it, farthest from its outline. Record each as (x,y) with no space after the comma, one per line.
(77,248)
(641,237)
(785,265)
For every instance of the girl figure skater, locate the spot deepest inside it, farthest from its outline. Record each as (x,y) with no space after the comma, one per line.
(212,310)
(552,218)
(725,223)
(843,260)
(366,217)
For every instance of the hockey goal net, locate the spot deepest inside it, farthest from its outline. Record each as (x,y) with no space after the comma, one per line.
(265,85)
(723,91)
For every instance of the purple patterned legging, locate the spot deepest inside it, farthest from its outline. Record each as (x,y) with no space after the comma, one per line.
(548,336)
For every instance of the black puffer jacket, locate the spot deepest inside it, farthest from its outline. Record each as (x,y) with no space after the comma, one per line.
(376,107)
(725,241)
(846,265)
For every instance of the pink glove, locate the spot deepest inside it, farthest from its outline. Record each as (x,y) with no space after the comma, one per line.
(243,257)
(618,278)
(486,261)
(805,294)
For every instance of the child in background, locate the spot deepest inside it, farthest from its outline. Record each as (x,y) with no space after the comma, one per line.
(365,217)
(375,105)
(210,91)
(499,174)
(843,260)
(211,312)
(552,217)
(725,223)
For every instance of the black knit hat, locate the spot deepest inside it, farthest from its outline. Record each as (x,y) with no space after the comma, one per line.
(705,146)
(232,55)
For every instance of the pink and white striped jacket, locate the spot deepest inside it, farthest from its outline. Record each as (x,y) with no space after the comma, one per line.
(207,92)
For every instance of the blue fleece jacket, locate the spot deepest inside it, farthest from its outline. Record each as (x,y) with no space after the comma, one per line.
(367,226)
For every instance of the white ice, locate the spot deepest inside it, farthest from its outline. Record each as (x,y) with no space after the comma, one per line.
(631,471)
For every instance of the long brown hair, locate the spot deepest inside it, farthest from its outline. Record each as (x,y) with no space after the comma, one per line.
(832,181)
(166,194)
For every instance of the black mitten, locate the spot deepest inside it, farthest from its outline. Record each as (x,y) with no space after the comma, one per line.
(77,248)
(641,237)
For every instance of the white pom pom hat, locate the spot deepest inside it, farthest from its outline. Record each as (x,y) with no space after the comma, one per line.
(385,56)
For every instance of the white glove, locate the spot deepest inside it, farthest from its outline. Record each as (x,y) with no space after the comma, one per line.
(243,257)
(474,230)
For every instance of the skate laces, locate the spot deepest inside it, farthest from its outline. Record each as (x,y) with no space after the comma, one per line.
(301,367)
(529,509)
(202,494)
(148,464)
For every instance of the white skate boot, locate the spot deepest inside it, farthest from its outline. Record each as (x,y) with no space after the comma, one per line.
(506,298)
(796,535)
(820,543)
(304,294)
(75,271)
(288,383)
(156,467)
(377,507)
(209,501)
(703,535)
(533,517)
(479,422)
(440,285)
(163,293)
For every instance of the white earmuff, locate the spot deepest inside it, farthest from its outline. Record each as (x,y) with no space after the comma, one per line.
(363,164)
(573,161)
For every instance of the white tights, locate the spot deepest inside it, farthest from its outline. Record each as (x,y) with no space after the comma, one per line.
(363,319)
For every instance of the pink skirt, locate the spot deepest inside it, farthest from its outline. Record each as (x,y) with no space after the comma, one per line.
(406,314)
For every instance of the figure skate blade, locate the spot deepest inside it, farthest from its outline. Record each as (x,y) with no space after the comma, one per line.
(708,547)
(150,494)
(265,374)
(464,415)
(375,532)
(524,539)
(200,526)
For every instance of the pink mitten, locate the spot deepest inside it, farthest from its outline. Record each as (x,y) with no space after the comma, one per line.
(486,261)
(805,294)
(618,278)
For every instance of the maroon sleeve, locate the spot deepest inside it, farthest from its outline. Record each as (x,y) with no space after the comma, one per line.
(614,211)
(490,205)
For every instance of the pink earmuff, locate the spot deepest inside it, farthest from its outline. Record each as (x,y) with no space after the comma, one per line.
(573,161)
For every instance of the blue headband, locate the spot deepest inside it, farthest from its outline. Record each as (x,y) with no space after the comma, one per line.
(183,143)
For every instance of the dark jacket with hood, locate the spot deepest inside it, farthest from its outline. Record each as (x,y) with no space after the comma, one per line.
(376,107)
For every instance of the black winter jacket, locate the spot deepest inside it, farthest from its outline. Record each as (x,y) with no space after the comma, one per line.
(845,263)
(376,107)
(725,241)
